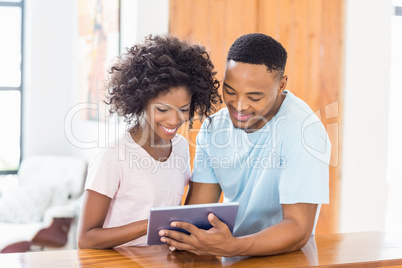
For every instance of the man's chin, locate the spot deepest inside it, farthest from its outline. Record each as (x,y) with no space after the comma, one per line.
(240,125)
(248,126)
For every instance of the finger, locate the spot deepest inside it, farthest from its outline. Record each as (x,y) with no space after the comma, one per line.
(176,244)
(179,236)
(215,221)
(186,226)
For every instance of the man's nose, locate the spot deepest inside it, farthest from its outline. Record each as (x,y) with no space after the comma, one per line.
(240,105)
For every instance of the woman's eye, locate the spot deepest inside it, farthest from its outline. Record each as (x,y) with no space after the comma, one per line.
(161,110)
(185,110)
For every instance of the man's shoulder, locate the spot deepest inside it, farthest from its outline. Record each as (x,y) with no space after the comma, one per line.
(298,119)
(218,120)
(220,115)
(296,112)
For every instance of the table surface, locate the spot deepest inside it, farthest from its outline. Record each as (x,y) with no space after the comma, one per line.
(372,249)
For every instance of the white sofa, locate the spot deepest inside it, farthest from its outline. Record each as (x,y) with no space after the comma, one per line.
(41,209)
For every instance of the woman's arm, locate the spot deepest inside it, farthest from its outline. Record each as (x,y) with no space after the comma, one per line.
(91,233)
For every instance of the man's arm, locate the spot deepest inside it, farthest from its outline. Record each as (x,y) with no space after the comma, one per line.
(202,193)
(291,234)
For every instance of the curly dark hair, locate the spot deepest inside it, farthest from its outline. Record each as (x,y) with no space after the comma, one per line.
(157,65)
(258,48)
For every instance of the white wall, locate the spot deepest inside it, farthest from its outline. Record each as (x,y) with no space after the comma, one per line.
(47,76)
(365,110)
(142,18)
(394,170)
(52,115)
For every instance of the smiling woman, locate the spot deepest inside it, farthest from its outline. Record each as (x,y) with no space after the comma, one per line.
(158,65)
(162,118)
(156,86)
(167,112)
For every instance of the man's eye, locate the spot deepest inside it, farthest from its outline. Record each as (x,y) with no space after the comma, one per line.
(161,110)
(229,93)
(255,99)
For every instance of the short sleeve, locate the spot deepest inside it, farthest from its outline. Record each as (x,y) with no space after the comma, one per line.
(203,171)
(187,173)
(305,168)
(104,173)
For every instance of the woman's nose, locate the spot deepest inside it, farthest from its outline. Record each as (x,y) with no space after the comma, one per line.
(176,118)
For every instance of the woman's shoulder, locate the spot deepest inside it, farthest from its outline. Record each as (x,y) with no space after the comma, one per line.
(180,144)
(120,146)
(179,141)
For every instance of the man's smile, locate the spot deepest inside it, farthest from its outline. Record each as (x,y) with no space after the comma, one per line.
(240,116)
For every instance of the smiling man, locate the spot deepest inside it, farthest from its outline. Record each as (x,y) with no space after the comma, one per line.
(266,150)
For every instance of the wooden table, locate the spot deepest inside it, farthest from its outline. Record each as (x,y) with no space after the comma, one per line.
(353,250)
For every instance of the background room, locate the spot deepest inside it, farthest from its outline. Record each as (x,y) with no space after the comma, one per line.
(344,61)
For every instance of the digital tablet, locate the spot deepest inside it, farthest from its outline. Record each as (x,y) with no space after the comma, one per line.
(161,217)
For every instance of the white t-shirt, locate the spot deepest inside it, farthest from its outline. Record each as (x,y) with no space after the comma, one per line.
(136,182)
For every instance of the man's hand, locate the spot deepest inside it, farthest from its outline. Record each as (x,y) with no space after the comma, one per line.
(216,241)
(291,234)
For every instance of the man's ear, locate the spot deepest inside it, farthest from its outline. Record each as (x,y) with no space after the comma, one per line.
(282,84)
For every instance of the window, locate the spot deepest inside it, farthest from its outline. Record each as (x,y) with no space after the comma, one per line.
(11,90)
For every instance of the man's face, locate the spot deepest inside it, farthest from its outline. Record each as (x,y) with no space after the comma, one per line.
(252,94)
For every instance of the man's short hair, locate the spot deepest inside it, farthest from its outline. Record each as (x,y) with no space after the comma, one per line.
(258,48)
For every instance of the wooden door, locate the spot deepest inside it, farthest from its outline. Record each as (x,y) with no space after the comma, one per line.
(312,33)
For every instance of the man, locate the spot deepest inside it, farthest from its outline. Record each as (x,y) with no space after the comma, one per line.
(267,150)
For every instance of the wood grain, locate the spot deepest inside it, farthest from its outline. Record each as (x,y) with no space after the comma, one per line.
(337,250)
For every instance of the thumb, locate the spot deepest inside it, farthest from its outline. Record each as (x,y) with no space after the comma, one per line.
(214,221)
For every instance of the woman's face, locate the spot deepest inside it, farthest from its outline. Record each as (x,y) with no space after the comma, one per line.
(168,111)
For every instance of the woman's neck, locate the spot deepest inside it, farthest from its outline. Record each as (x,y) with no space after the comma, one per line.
(157,148)
(147,138)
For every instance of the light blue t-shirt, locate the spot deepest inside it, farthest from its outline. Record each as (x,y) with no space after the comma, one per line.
(284,162)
